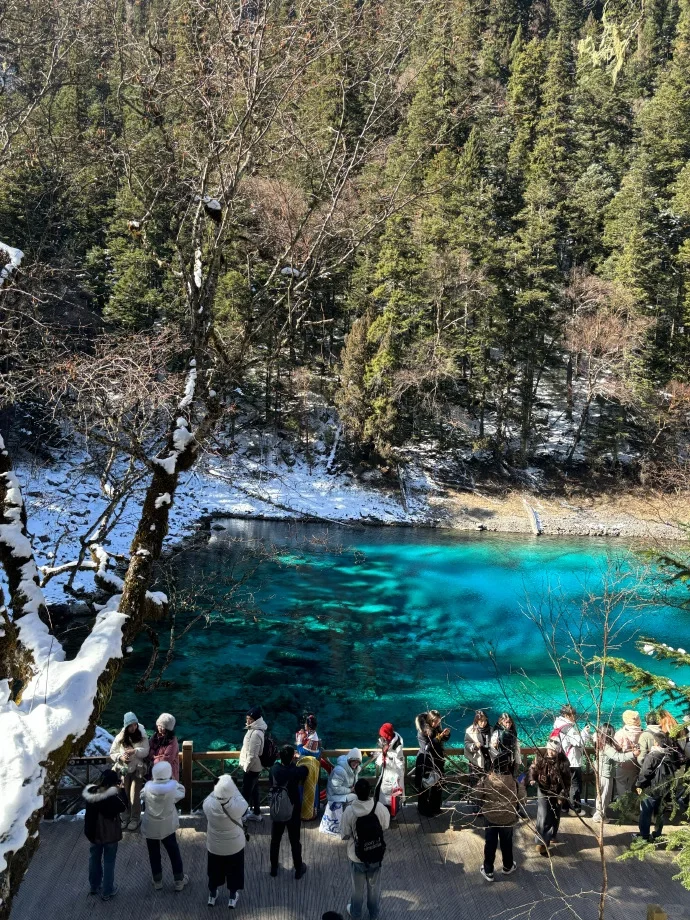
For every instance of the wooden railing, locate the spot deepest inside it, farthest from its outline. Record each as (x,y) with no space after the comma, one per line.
(195,776)
(200,769)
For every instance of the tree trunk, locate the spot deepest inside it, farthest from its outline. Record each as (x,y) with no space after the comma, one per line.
(145,550)
(580,428)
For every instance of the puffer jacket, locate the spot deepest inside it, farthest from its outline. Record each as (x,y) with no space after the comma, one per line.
(341,781)
(162,749)
(109,804)
(497,793)
(573,740)
(348,826)
(393,766)
(223,836)
(140,750)
(252,747)
(160,818)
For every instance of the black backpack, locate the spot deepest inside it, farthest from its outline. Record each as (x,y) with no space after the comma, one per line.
(370,846)
(269,754)
(280,806)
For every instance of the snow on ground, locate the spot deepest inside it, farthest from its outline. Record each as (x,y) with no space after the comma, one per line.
(65,501)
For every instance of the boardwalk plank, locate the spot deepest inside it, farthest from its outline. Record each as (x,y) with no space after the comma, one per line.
(431,873)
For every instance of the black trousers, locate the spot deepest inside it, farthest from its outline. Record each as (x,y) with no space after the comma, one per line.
(250,790)
(293,828)
(228,870)
(495,836)
(173,850)
(430,799)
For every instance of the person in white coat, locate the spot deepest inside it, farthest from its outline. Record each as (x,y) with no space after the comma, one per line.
(391,763)
(160,823)
(573,741)
(225,840)
(364,876)
(340,790)
(129,752)
(250,760)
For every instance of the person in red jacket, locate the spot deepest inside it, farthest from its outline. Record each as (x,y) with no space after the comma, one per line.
(164,746)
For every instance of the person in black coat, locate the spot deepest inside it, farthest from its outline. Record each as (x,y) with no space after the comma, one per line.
(430,765)
(654,786)
(285,773)
(102,827)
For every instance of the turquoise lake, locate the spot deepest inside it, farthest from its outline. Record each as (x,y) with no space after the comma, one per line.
(367,625)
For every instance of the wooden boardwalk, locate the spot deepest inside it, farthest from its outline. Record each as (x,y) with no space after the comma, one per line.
(430,873)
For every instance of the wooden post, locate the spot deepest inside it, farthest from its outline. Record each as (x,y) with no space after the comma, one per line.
(187,761)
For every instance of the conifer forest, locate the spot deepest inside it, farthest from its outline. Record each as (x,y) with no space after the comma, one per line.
(465,221)
(361,261)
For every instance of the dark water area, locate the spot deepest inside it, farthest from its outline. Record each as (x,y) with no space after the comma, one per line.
(367,625)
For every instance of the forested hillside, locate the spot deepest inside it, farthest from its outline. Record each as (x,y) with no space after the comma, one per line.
(458,220)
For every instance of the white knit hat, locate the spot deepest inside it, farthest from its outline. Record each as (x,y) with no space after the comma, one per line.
(354,754)
(161,771)
(225,787)
(166,720)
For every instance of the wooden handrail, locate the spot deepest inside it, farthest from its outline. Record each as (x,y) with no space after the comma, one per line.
(188,757)
(338,752)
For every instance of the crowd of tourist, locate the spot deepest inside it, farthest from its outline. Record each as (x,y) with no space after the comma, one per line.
(630,760)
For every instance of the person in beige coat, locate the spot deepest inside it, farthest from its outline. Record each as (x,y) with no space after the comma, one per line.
(129,752)
(627,739)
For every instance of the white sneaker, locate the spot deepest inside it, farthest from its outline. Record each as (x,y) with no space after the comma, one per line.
(252,817)
(180,883)
(212,900)
(511,870)
(232,902)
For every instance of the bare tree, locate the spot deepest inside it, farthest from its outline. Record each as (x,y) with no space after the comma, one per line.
(604,335)
(203,114)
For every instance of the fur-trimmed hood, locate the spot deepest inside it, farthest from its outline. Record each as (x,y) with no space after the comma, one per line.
(92,795)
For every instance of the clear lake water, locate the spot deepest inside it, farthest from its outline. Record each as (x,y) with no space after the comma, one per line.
(365,625)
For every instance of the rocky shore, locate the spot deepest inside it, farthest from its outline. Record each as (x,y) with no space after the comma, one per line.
(629,515)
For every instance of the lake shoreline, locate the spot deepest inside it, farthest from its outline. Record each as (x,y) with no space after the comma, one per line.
(628,516)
